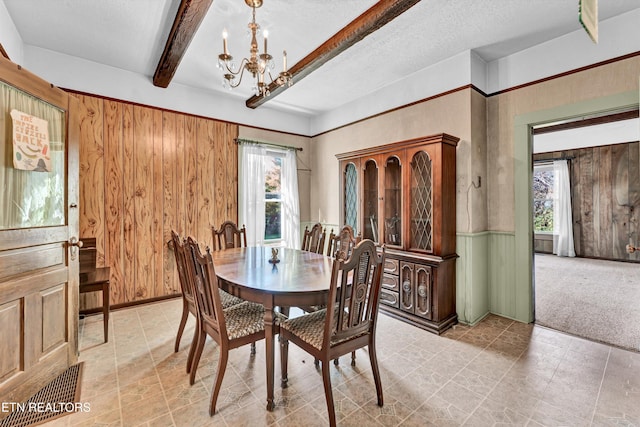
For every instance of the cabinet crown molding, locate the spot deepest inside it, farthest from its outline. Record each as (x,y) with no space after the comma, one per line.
(424,140)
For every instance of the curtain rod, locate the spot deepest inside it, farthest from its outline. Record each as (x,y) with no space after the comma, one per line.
(250,141)
(551,160)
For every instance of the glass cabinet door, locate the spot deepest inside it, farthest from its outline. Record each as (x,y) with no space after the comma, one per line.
(370,200)
(351,197)
(421,211)
(393,202)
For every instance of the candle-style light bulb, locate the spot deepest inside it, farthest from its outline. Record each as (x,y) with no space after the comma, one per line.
(284,61)
(224,41)
(266,34)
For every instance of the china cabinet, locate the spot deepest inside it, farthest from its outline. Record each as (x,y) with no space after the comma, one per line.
(403,195)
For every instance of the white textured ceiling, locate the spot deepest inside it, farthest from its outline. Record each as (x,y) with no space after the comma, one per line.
(130,35)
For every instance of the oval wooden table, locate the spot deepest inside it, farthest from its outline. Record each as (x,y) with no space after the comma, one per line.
(300,279)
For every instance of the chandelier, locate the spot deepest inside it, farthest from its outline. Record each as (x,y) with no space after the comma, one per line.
(258,64)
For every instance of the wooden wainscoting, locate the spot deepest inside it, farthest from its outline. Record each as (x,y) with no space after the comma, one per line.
(143,172)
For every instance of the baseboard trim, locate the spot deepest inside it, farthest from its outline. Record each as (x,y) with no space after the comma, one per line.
(98,310)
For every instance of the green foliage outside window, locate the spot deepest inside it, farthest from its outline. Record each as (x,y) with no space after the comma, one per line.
(273,203)
(543,199)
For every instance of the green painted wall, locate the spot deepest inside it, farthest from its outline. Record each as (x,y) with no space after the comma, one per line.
(472,285)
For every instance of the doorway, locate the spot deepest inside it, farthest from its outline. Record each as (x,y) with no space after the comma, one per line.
(588,289)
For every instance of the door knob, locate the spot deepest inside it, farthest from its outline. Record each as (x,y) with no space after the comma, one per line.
(75,242)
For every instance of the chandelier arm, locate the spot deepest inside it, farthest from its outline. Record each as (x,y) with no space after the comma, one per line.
(240,73)
(240,69)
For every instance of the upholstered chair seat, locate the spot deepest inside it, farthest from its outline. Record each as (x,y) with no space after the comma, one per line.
(229,300)
(310,328)
(246,319)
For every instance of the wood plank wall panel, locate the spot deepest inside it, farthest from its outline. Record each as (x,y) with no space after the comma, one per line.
(114,190)
(232,170)
(144,172)
(620,209)
(206,180)
(129,224)
(170,168)
(92,164)
(191,178)
(92,190)
(605,192)
(143,205)
(158,206)
(603,186)
(220,134)
(634,190)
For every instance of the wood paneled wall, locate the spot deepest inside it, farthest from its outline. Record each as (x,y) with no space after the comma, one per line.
(144,172)
(605,194)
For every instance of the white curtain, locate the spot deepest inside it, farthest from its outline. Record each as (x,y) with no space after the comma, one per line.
(290,207)
(562,217)
(251,179)
(251,175)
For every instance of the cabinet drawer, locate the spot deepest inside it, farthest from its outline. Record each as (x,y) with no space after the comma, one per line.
(391,282)
(389,298)
(391,266)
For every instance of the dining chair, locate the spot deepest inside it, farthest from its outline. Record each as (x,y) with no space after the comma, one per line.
(340,245)
(313,240)
(349,321)
(230,327)
(229,236)
(184,262)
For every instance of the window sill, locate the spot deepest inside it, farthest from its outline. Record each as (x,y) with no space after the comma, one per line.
(543,235)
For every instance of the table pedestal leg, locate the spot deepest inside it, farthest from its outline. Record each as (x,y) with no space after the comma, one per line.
(269,350)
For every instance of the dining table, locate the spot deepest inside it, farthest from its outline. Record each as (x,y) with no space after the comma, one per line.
(297,279)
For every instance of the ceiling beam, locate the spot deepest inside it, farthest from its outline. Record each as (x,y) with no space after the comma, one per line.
(190,15)
(4,52)
(373,19)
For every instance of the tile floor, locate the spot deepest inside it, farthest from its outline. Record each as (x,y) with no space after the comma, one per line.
(499,372)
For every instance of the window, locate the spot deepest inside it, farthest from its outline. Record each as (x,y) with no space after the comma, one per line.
(543,198)
(268,195)
(273,197)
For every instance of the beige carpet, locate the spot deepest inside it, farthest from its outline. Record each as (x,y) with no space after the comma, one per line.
(595,299)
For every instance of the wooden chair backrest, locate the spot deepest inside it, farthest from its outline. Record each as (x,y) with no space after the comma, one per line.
(229,236)
(313,240)
(354,294)
(183,263)
(205,286)
(340,245)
